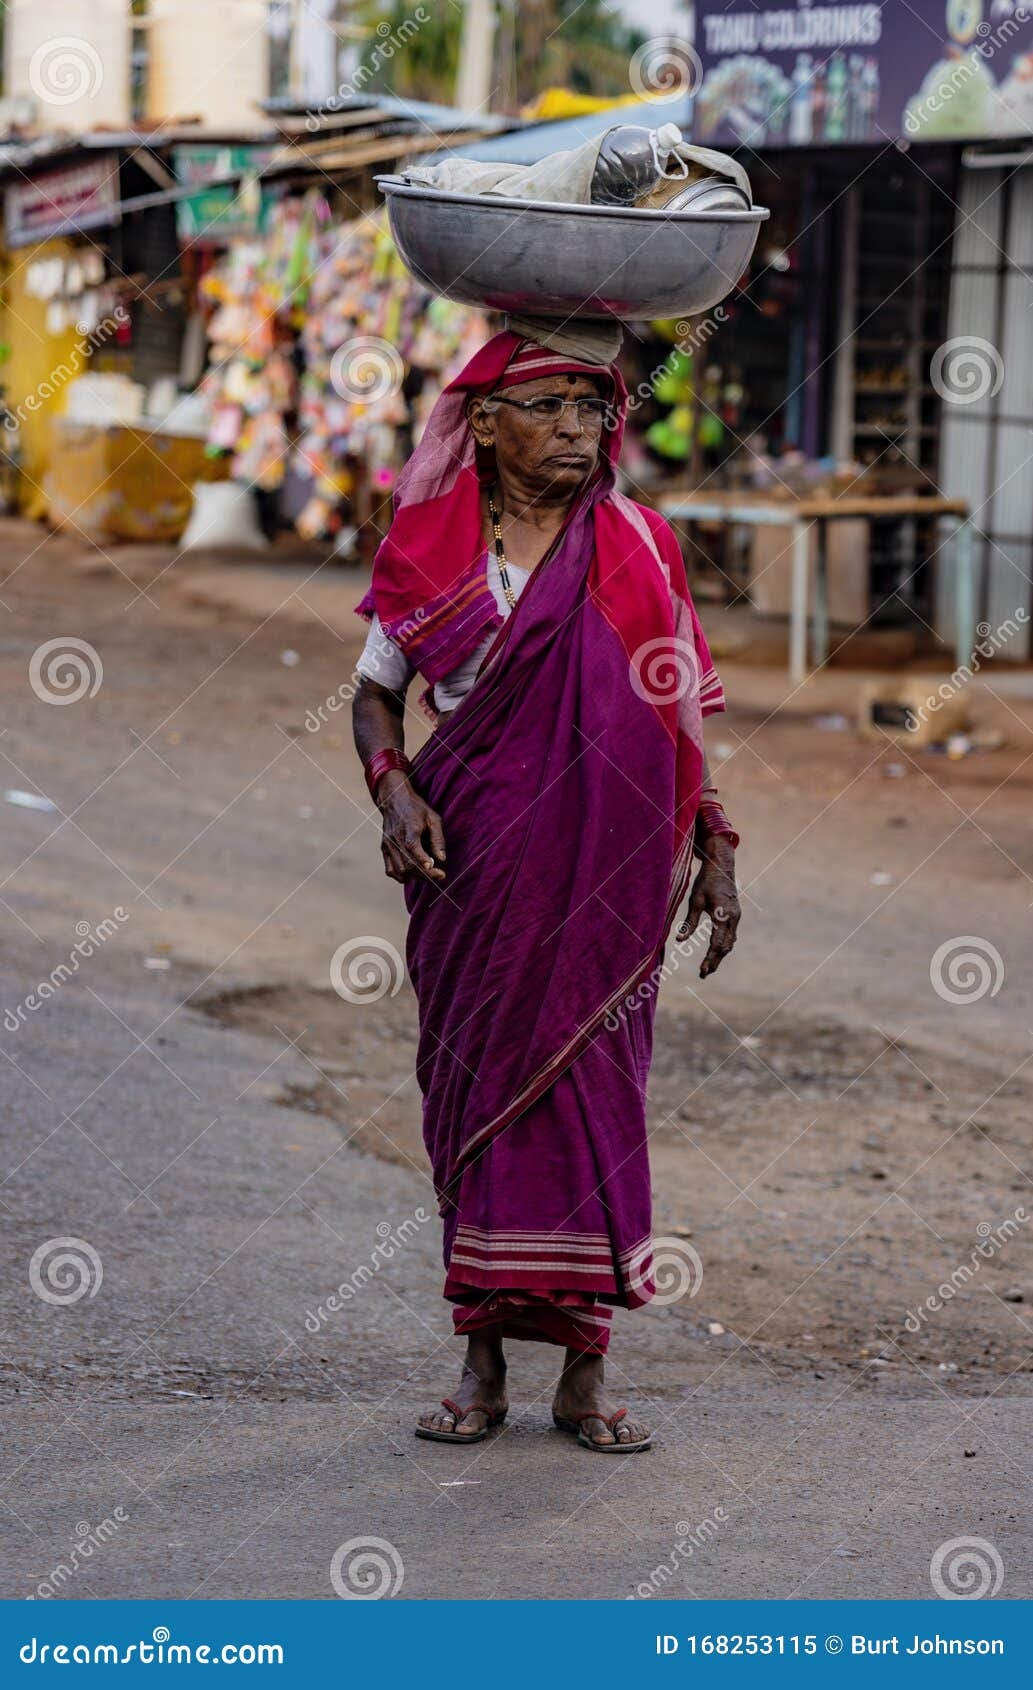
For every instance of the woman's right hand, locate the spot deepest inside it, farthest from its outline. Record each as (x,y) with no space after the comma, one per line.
(414,839)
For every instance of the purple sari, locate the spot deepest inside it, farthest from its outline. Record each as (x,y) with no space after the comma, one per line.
(556,783)
(567,781)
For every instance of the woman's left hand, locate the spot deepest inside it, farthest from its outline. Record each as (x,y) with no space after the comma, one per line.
(714,894)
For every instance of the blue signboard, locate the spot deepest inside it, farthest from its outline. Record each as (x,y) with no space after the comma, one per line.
(797,73)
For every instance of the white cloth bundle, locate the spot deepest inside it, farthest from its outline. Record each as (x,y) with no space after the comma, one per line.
(566,178)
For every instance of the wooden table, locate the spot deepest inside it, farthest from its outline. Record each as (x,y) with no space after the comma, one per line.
(803,514)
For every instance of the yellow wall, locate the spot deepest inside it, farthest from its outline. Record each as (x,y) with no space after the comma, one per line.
(37,371)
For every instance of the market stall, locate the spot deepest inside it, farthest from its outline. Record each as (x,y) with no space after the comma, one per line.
(811,521)
(872,338)
(59,303)
(325,357)
(99,361)
(130,245)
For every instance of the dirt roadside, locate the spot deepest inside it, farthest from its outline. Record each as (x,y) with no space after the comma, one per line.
(853,1103)
(832,1137)
(829,1130)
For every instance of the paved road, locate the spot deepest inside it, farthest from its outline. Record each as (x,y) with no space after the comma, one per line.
(192,1422)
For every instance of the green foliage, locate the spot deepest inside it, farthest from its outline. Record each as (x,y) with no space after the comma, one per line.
(424,68)
(579,44)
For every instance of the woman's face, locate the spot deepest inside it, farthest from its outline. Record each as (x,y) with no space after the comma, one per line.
(555,454)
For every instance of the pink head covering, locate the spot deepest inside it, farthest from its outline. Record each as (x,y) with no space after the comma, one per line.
(430,586)
(530,362)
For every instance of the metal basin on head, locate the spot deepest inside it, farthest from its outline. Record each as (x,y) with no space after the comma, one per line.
(537,257)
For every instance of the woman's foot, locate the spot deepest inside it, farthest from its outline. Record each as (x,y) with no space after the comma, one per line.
(581,1398)
(483,1382)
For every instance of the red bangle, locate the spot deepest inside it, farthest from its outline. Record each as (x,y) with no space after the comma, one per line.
(380,764)
(712,822)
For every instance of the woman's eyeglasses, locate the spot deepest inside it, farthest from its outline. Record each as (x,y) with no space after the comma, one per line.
(550,407)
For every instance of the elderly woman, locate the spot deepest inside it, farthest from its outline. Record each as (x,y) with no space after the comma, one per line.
(545,836)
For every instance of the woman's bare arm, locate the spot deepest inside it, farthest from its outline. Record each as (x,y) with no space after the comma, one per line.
(413,840)
(714,893)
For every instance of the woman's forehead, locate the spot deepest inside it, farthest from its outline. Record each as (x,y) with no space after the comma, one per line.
(569,386)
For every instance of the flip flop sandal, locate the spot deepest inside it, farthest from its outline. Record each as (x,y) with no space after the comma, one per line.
(616,1448)
(495,1418)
